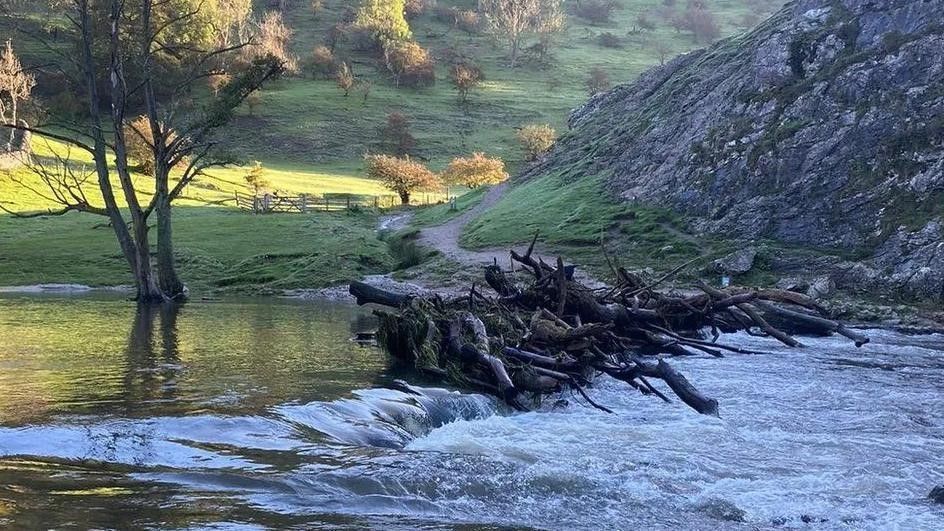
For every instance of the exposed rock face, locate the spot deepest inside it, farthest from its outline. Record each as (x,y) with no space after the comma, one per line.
(822,127)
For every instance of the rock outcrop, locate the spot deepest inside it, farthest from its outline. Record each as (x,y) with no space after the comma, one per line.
(823,127)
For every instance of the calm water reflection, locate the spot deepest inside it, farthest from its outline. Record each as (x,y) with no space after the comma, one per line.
(105,356)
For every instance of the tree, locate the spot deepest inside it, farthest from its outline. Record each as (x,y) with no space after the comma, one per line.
(256,179)
(322,62)
(401,175)
(595,11)
(384,19)
(465,77)
(598,81)
(550,22)
(16,85)
(410,64)
(135,42)
(536,139)
(217,80)
(345,78)
(396,134)
(477,170)
(272,39)
(511,20)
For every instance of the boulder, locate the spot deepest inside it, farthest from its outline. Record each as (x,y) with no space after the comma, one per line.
(937,494)
(736,263)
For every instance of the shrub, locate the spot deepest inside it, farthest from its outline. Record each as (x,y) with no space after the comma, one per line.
(645,23)
(598,81)
(477,170)
(468,21)
(322,62)
(401,175)
(465,77)
(536,139)
(609,40)
(139,141)
(595,11)
(396,134)
(410,64)
(217,81)
(316,7)
(415,8)
(253,101)
(335,35)
(345,78)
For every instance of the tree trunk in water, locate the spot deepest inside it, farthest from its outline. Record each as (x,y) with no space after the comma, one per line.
(168,279)
(148,290)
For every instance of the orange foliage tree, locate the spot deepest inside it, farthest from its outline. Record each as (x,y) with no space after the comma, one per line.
(477,170)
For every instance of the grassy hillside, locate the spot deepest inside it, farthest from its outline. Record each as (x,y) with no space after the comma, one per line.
(311,139)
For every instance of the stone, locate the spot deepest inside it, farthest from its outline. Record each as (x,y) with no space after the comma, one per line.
(937,494)
(793,284)
(736,263)
(821,288)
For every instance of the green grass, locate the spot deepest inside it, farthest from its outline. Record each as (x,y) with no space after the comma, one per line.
(217,249)
(575,216)
(439,214)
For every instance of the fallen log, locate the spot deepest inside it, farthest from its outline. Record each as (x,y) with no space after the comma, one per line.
(552,333)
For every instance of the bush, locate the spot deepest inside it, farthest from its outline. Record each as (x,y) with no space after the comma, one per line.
(410,64)
(401,175)
(465,77)
(415,8)
(396,134)
(139,141)
(217,81)
(536,139)
(609,40)
(595,11)
(256,180)
(598,81)
(253,101)
(468,21)
(322,63)
(385,20)
(644,23)
(477,170)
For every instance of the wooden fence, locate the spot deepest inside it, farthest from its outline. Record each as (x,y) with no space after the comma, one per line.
(306,203)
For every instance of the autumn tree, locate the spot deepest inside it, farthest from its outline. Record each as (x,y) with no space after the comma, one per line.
(465,76)
(322,62)
(396,135)
(477,170)
(536,139)
(255,178)
(410,64)
(138,37)
(16,85)
(272,38)
(597,81)
(401,175)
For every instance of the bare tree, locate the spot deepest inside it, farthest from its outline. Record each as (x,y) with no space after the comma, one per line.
(16,85)
(176,138)
(510,20)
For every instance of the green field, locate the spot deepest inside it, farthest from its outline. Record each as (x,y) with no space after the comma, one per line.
(311,139)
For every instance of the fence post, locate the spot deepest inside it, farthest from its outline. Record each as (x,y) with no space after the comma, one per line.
(304,200)
(327,203)
(348,202)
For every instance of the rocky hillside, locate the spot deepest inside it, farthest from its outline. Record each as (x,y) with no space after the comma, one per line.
(823,127)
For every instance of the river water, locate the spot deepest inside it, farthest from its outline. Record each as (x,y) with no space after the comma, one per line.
(262,414)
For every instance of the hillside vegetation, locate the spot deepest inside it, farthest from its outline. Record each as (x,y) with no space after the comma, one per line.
(311,138)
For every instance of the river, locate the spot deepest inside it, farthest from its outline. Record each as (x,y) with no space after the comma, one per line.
(263,414)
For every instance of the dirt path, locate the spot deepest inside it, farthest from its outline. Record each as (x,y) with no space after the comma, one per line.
(445,237)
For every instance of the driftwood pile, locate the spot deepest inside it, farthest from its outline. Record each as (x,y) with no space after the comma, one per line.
(526,342)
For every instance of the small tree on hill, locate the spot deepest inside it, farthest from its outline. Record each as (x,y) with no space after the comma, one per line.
(384,19)
(396,134)
(536,139)
(410,64)
(345,78)
(256,179)
(16,85)
(465,77)
(511,20)
(322,62)
(253,101)
(401,175)
(272,39)
(477,170)
(598,81)
(217,81)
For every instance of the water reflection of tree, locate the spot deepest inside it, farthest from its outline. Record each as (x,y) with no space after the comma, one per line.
(152,363)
